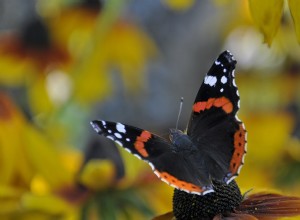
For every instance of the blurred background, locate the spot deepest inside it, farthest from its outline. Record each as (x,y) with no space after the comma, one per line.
(64,63)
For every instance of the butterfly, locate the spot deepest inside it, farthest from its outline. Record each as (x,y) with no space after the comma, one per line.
(213,147)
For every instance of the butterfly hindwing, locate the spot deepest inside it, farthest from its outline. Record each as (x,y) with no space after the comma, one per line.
(177,171)
(170,167)
(214,125)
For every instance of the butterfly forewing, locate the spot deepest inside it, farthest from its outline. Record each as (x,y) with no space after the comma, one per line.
(137,141)
(214,126)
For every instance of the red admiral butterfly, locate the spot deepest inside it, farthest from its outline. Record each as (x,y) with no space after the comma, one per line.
(214,146)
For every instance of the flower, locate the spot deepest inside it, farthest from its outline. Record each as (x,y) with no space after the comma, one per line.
(227,203)
(61,58)
(267,16)
(31,168)
(114,194)
(179,5)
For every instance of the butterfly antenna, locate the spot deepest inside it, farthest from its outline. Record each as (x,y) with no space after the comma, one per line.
(179,113)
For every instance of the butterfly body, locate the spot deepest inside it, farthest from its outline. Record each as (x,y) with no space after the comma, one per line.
(181,142)
(214,146)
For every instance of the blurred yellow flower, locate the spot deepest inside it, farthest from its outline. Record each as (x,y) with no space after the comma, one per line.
(26,154)
(138,194)
(294,6)
(267,16)
(70,56)
(124,48)
(179,5)
(32,45)
(98,174)
(27,58)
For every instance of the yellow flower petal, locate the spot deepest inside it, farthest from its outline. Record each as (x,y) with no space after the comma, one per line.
(179,5)
(128,48)
(267,15)
(124,47)
(134,167)
(259,127)
(9,192)
(9,199)
(10,73)
(94,85)
(14,163)
(38,96)
(158,194)
(98,174)
(39,186)
(294,6)
(45,159)
(48,204)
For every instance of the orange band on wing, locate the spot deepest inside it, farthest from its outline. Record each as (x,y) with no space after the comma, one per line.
(221,102)
(239,149)
(139,144)
(178,183)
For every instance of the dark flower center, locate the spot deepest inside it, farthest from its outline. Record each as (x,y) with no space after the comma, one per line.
(35,34)
(190,206)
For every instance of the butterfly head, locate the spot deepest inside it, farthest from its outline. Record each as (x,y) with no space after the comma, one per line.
(174,134)
(180,140)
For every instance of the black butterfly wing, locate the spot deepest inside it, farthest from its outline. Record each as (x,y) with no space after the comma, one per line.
(169,166)
(214,126)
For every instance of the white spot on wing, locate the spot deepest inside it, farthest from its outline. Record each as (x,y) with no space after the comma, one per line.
(119,143)
(237,118)
(233,82)
(224,79)
(103,123)
(152,166)
(239,169)
(217,62)
(243,125)
(243,158)
(109,131)
(187,191)
(210,80)
(127,150)
(231,178)
(118,135)
(120,127)
(138,156)
(165,181)
(221,90)
(208,191)
(95,127)
(110,137)
(224,70)
(233,73)
(128,139)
